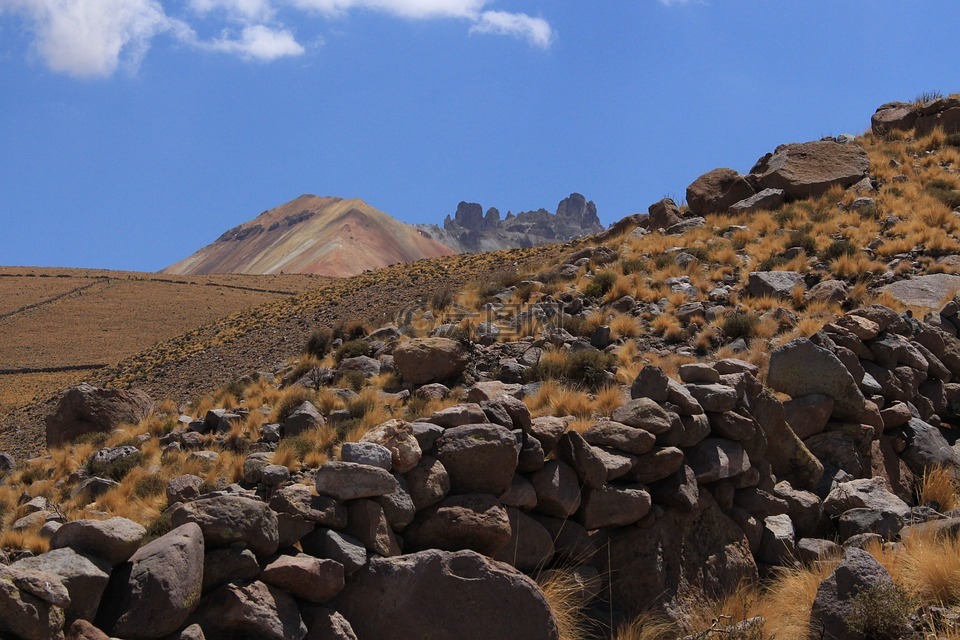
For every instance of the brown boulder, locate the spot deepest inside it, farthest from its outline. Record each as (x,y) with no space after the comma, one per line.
(809,169)
(477,521)
(426,360)
(717,190)
(86,409)
(664,214)
(480,599)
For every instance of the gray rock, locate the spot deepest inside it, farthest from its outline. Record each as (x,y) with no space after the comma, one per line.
(479,458)
(791,372)
(585,460)
(254,610)
(809,169)
(345,549)
(428,482)
(458,415)
(229,519)
(557,488)
(643,413)
(85,409)
(650,383)
(153,594)
(715,459)
(923,291)
(530,546)
(85,578)
(349,481)
(855,522)
(427,360)
(368,453)
(866,493)
(303,418)
(612,506)
(305,577)
(231,564)
(368,523)
(774,284)
(713,397)
(32,604)
(656,465)
(400,440)
(473,521)
(183,488)
(297,500)
(114,539)
(777,544)
(766,200)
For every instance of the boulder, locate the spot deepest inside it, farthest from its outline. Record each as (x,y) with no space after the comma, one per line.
(349,481)
(800,368)
(663,214)
(458,415)
(325,624)
(298,500)
(305,577)
(303,418)
(114,539)
(86,409)
(809,169)
(716,459)
(474,521)
(254,610)
(428,483)
(152,595)
(894,116)
(865,493)
(368,523)
(481,599)
(644,413)
(717,190)
(586,460)
(480,458)
(777,543)
(766,200)
(229,519)
(428,360)
(531,545)
(558,489)
(621,437)
(397,436)
(231,564)
(923,291)
(613,506)
(85,578)
(32,604)
(334,545)
(774,284)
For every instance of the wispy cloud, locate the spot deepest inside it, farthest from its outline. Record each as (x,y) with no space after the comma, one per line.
(93,38)
(536,30)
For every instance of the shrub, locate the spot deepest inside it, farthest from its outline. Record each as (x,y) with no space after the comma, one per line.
(663,260)
(116,469)
(588,367)
(771,263)
(838,248)
(352,330)
(739,324)
(953,139)
(150,485)
(353,380)
(318,345)
(290,401)
(881,612)
(634,265)
(601,284)
(442,299)
(949,197)
(352,349)
(804,241)
(926,97)
(162,525)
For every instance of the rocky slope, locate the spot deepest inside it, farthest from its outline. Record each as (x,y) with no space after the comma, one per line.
(472,231)
(557,424)
(329,236)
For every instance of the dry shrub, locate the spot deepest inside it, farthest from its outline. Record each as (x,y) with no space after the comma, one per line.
(564,594)
(290,400)
(787,602)
(939,487)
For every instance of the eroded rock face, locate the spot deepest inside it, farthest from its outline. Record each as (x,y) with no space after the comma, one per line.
(480,598)
(87,409)
(649,566)
(808,169)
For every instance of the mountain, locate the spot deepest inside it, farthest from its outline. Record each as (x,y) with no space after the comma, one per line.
(329,236)
(472,231)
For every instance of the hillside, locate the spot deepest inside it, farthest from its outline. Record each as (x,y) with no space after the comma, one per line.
(329,236)
(738,418)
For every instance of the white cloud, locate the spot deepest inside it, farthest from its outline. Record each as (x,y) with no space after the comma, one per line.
(93,38)
(416,9)
(86,38)
(259,42)
(536,30)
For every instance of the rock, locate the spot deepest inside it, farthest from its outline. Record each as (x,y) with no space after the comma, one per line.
(531,457)
(345,549)
(305,577)
(349,481)
(804,509)
(325,624)
(480,458)
(428,360)
(774,284)
(32,604)
(715,459)
(663,214)
(229,519)
(928,448)
(458,415)
(367,523)
(647,567)
(302,419)
(231,564)
(511,412)
(366,453)
(531,545)
(398,437)
(685,225)
(558,489)
(792,364)
(846,448)
(831,291)
(85,409)
(650,383)
(808,415)
(613,506)
(82,630)
(716,191)
(364,365)
(766,200)
(865,493)
(254,610)
(152,595)
(855,522)
(428,483)
(583,458)
(85,578)
(713,397)
(789,457)
(811,550)
(923,291)
(644,413)
(732,425)
(547,429)
(183,488)
(809,169)
(490,389)
(297,500)
(398,506)
(620,436)
(656,465)
(894,116)
(474,521)
(777,544)
(114,539)
(481,599)
(834,606)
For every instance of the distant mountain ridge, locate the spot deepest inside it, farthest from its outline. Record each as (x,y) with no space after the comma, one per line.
(343,237)
(472,231)
(323,235)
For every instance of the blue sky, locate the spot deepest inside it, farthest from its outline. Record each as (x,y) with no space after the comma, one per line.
(133,132)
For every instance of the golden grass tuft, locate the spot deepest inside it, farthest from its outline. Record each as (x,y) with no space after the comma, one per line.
(939,486)
(564,594)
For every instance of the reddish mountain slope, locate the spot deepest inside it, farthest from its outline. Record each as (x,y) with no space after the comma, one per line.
(329,236)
